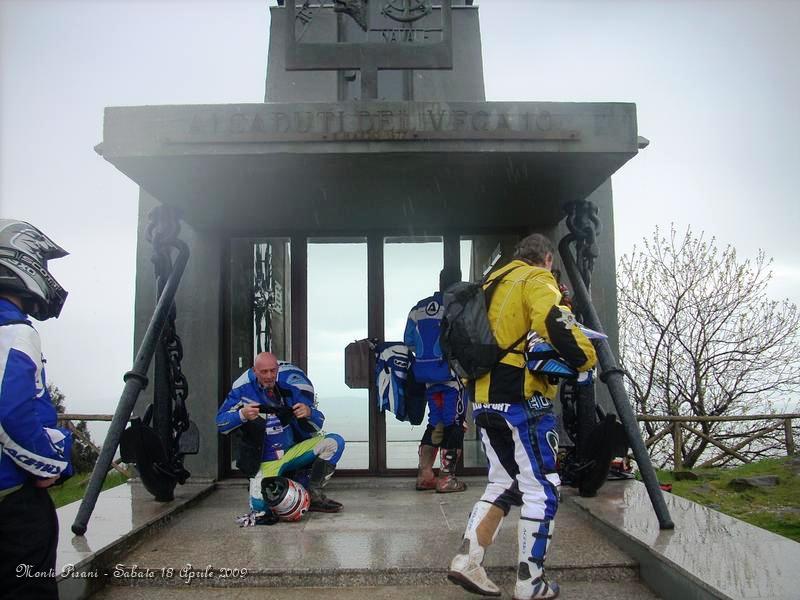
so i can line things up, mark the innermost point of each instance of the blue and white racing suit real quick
(31, 444)
(289, 444)
(443, 391)
(31, 449)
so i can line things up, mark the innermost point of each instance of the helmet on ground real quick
(24, 252)
(288, 499)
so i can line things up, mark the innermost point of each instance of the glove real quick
(284, 413)
(586, 378)
(62, 440)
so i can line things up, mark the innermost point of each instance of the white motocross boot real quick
(466, 569)
(534, 539)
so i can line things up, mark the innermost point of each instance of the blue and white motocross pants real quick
(521, 443)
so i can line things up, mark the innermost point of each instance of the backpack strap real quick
(489, 291)
(510, 349)
(490, 288)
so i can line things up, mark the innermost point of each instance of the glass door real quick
(342, 290)
(337, 315)
(259, 312)
(411, 273)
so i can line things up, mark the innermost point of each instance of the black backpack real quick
(466, 338)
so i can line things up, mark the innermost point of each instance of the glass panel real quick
(260, 315)
(478, 253)
(337, 315)
(411, 273)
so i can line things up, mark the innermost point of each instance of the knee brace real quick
(330, 448)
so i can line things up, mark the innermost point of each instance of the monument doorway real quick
(306, 298)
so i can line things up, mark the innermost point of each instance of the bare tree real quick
(699, 336)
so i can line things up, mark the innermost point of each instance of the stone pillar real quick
(199, 326)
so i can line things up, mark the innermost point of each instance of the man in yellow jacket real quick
(513, 411)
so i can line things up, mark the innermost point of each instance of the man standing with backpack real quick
(513, 411)
(443, 391)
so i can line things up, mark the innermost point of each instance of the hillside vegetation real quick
(774, 508)
(75, 487)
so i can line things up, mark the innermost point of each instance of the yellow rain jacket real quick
(527, 299)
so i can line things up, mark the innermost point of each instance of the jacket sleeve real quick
(410, 334)
(556, 324)
(228, 417)
(295, 386)
(314, 421)
(23, 436)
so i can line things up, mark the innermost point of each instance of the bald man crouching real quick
(274, 404)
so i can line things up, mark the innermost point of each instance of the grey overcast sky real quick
(716, 83)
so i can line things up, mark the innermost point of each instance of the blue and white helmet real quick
(542, 358)
(24, 252)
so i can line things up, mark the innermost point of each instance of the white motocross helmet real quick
(24, 252)
(288, 499)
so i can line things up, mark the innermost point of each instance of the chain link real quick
(162, 232)
(584, 223)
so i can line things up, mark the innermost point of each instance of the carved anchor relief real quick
(408, 11)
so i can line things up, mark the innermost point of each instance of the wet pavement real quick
(387, 534)
(394, 542)
(708, 554)
(121, 516)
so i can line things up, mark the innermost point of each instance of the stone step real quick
(209, 576)
(574, 590)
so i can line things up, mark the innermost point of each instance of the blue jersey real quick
(30, 444)
(291, 387)
(422, 336)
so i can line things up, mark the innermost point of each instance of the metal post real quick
(135, 382)
(375, 330)
(299, 283)
(612, 376)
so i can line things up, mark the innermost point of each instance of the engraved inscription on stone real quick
(407, 35)
(412, 122)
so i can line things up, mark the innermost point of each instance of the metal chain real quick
(162, 232)
(583, 222)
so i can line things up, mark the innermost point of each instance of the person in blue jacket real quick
(443, 391)
(34, 454)
(274, 405)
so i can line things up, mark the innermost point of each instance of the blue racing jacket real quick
(30, 444)
(422, 336)
(291, 387)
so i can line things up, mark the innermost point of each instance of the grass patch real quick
(776, 509)
(75, 487)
